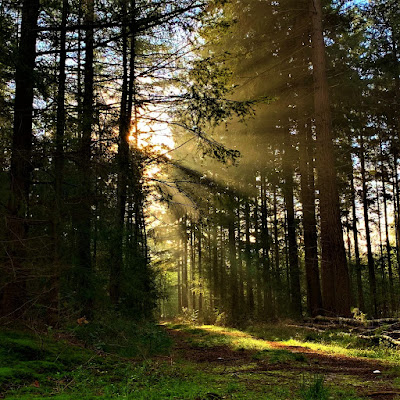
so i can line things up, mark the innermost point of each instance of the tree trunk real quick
(185, 287)
(360, 291)
(215, 268)
(14, 294)
(314, 298)
(179, 268)
(396, 203)
(234, 288)
(268, 310)
(288, 193)
(83, 218)
(223, 278)
(59, 169)
(200, 269)
(241, 301)
(371, 264)
(383, 307)
(259, 281)
(116, 250)
(335, 277)
(388, 246)
(249, 266)
(192, 303)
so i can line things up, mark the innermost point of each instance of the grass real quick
(124, 337)
(330, 342)
(40, 367)
(314, 391)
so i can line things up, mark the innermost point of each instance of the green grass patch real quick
(332, 342)
(27, 358)
(124, 337)
(37, 367)
(279, 356)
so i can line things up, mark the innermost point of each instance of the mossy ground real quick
(203, 363)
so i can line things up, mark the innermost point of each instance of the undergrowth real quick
(124, 337)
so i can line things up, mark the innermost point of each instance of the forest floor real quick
(275, 370)
(269, 362)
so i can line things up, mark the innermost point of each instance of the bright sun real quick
(153, 136)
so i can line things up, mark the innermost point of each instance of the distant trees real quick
(321, 181)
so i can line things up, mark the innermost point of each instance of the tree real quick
(14, 296)
(335, 278)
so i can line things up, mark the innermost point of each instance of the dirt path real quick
(335, 368)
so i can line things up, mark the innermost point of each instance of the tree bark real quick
(360, 291)
(248, 258)
(371, 263)
(185, 287)
(265, 263)
(234, 288)
(335, 277)
(116, 250)
(14, 295)
(59, 169)
(288, 193)
(388, 245)
(200, 269)
(83, 218)
(314, 297)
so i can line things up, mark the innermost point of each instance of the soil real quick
(335, 368)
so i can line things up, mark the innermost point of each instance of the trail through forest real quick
(181, 361)
(283, 365)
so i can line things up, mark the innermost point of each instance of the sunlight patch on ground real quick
(332, 344)
(389, 355)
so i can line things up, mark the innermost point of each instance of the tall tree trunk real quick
(84, 273)
(276, 244)
(396, 204)
(185, 286)
(335, 277)
(215, 268)
(360, 291)
(59, 168)
(234, 288)
(241, 302)
(200, 269)
(259, 280)
(208, 256)
(192, 303)
(268, 310)
(288, 193)
(314, 298)
(116, 250)
(383, 307)
(179, 268)
(248, 258)
(14, 294)
(388, 246)
(223, 279)
(371, 263)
